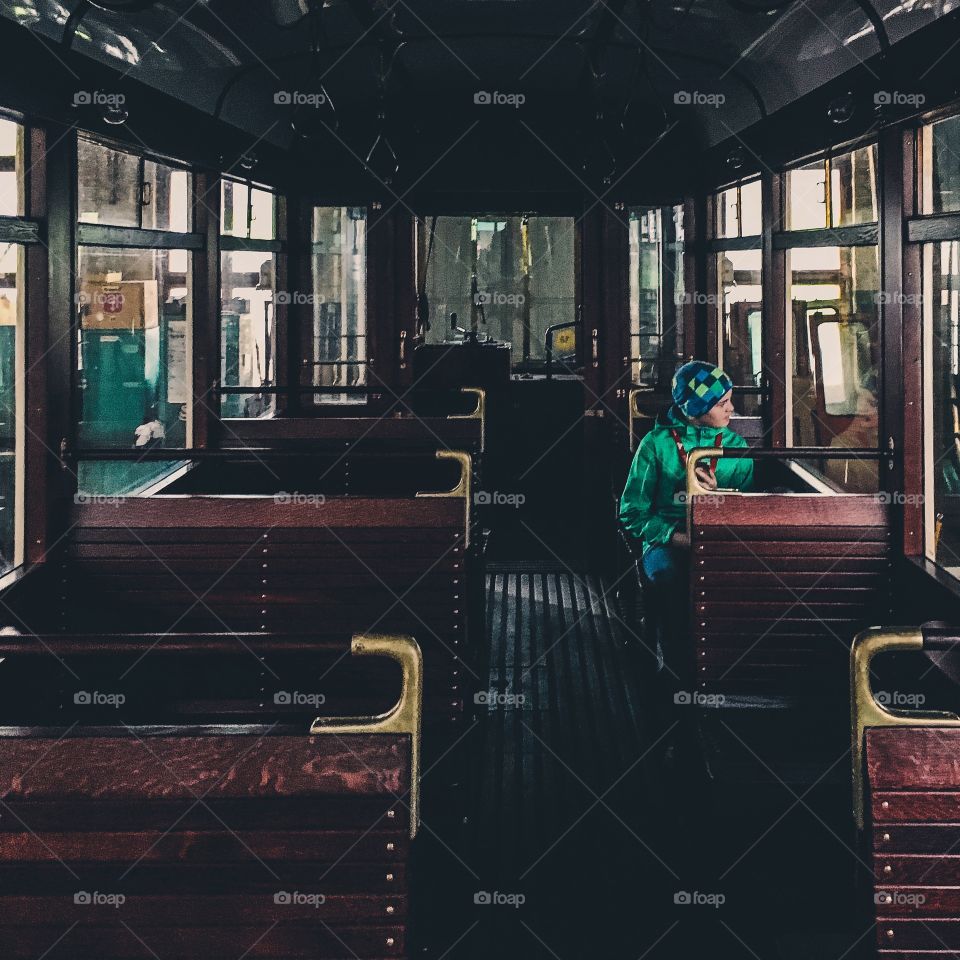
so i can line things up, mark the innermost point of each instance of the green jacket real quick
(649, 507)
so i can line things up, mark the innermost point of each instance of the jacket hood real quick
(671, 418)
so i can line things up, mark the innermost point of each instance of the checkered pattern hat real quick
(697, 386)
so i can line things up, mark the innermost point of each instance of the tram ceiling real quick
(484, 85)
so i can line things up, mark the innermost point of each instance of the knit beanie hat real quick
(698, 386)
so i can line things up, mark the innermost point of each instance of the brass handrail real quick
(634, 413)
(405, 717)
(479, 413)
(463, 488)
(866, 712)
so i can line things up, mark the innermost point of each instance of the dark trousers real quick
(667, 570)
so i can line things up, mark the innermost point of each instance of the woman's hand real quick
(707, 478)
(680, 539)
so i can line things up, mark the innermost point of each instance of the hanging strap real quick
(718, 442)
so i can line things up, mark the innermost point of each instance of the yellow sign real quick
(565, 341)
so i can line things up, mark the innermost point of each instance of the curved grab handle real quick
(865, 711)
(479, 413)
(634, 413)
(404, 717)
(462, 489)
(694, 488)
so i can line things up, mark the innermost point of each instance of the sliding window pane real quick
(234, 208)
(940, 173)
(941, 302)
(263, 214)
(11, 282)
(339, 342)
(248, 334)
(11, 169)
(739, 277)
(108, 185)
(806, 203)
(132, 347)
(727, 214)
(750, 222)
(834, 292)
(166, 197)
(657, 294)
(853, 187)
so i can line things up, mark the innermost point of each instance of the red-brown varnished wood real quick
(269, 512)
(920, 758)
(215, 767)
(842, 510)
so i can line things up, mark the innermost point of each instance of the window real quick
(122, 189)
(941, 306)
(740, 312)
(939, 170)
(737, 211)
(11, 169)
(834, 294)
(838, 191)
(134, 312)
(132, 347)
(509, 276)
(12, 267)
(656, 293)
(11, 325)
(338, 354)
(248, 270)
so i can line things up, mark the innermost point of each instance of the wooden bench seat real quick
(780, 584)
(906, 774)
(318, 569)
(265, 839)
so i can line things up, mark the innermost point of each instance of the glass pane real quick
(166, 197)
(750, 220)
(508, 276)
(11, 169)
(834, 293)
(941, 300)
(739, 279)
(806, 206)
(339, 345)
(853, 187)
(940, 187)
(234, 212)
(727, 214)
(11, 282)
(133, 371)
(248, 334)
(657, 295)
(108, 185)
(263, 212)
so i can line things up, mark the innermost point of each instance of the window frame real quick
(286, 396)
(135, 238)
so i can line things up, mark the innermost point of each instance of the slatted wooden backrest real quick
(323, 568)
(219, 841)
(906, 774)
(780, 583)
